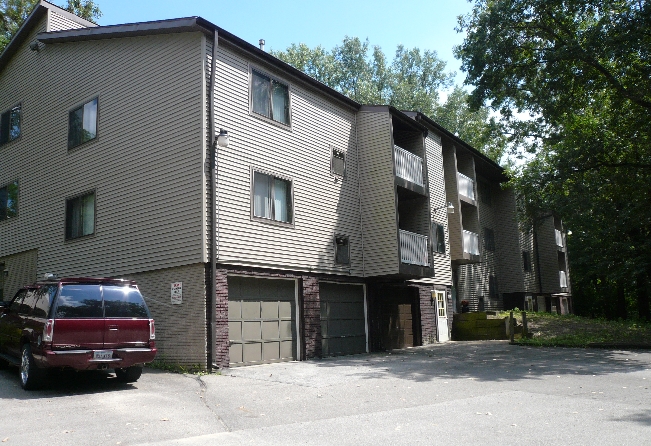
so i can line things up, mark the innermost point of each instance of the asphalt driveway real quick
(456, 393)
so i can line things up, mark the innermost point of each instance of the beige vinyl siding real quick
(434, 156)
(510, 276)
(455, 223)
(145, 166)
(381, 249)
(59, 22)
(21, 271)
(548, 256)
(323, 205)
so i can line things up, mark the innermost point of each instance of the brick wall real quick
(311, 317)
(427, 314)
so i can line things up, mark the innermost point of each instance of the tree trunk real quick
(621, 301)
(643, 297)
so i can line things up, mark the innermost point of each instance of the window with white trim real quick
(82, 124)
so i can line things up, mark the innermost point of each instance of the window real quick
(9, 200)
(489, 240)
(492, 287)
(272, 198)
(79, 301)
(439, 238)
(342, 250)
(10, 125)
(526, 261)
(440, 303)
(80, 216)
(269, 98)
(338, 163)
(82, 124)
(485, 193)
(123, 302)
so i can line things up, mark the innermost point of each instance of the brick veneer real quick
(427, 314)
(311, 317)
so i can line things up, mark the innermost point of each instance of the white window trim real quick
(333, 149)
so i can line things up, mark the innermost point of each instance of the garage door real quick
(343, 323)
(261, 320)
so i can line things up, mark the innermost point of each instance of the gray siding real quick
(434, 158)
(510, 276)
(323, 204)
(381, 250)
(21, 269)
(455, 223)
(145, 166)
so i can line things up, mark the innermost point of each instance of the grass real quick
(161, 363)
(552, 330)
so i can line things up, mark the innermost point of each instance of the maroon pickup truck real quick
(78, 323)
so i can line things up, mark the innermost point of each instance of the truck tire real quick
(128, 375)
(31, 377)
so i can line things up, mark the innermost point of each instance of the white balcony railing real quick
(563, 278)
(559, 238)
(466, 186)
(413, 248)
(408, 165)
(471, 243)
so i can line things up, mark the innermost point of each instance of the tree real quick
(411, 81)
(14, 12)
(580, 72)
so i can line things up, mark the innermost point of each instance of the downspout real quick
(213, 188)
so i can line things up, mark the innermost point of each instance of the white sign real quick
(177, 293)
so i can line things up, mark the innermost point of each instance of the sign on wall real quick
(177, 293)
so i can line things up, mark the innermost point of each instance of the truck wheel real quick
(31, 377)
(128, 375)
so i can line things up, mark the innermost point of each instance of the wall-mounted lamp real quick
(34, 46)
(6, 272)
(222, 138)
(449, 207)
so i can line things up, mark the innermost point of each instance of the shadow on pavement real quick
(488, 361)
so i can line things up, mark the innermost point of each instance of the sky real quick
(425, 24)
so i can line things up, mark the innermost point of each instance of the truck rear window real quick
(122, 301)
(97, 301)
(79, 301)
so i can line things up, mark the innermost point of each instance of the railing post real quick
(511, 327)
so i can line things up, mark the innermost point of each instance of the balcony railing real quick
(471, 243)
(559, 238)
(466, 186)
(563, 279)
(413, 248)
(408, 165)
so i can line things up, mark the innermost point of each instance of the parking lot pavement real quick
(456, 393)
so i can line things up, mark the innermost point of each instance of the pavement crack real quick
(203, 387)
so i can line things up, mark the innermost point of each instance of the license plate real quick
(103, 354)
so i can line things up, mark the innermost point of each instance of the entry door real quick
(442, 316)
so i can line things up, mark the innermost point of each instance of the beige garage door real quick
(261, 320)
(343, 323)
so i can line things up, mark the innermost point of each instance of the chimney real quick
(261, 42)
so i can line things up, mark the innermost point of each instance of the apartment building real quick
(312, 226)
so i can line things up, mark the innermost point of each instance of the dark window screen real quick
(124, 302)
(79, 301)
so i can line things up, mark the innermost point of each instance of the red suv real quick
(78, 323)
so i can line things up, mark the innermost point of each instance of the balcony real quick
(408, 166)
(563, 278)
(466, 186)
(559, 238)
(470, 243)
(413, 248)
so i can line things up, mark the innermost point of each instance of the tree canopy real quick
(14, 12)
(579, 71)
(413, 80)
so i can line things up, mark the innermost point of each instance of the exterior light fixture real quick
(6, 272)
(449, 207)
(222, 138)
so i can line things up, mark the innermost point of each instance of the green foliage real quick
(411, 81)
(14, 12)
(162, 363)
(572, 81)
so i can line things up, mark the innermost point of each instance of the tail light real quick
(48, 330)
(152, 330)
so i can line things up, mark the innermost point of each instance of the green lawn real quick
(554, 330)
